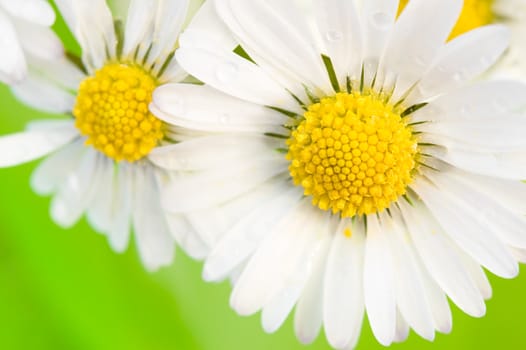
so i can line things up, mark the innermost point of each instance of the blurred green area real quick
(65, 289)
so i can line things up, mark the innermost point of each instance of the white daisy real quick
(98, 161)
(476, 13)
(25, 30)
(356, 167)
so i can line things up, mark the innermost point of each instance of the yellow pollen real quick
(353, 153)
(475, 13)
(347, 233)
(112, 111)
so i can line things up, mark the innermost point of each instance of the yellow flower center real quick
(353, 153)
(112, 111)
(475, 13)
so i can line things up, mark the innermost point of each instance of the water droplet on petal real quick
(499, 105)
(224, 119)
(177, 106)
(420, 60)
(334, 35)
(227, 72)
(381, 20)
(183, 162)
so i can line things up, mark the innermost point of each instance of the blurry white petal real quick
(30, 145)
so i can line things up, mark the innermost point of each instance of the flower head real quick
(356, 166)
(98, 160)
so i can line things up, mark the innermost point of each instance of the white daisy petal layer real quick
(155, 244)
(12, 61)
(30, 145)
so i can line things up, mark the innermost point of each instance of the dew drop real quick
(420, 60)
(334, 35)
(224, 119)
(465, 109)
(499, 105)
(458, 76)
(380, 20)
(183, 162)
(177, 105)
(485, 61)
(227, 72)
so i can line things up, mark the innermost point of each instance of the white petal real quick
(42, 94)
(12, 62)
(402, 328)
(212, 225)
(99, 211)
(121, 210)
(59, 72)
(339, 26)
(34, 11)
(173, 73)
(519, 254)
(463, 59)
(506, 224)
(504, 134)
(156, 245)
(186, 237)
(441, 261)
(206, 30)
(378, 280)
(244, 237)
(266, 27)
(204, 108)
(462, 224)
(378, 18)
(478, 275)
(39, 41)
(437, 301)
(273, 262)
(221, 185)
(169, 20)
(298, 271)
(308, 317)
(53, 170)
(509, 193)
(474, 103)
(410, 292)
(236, 76)
(30, 145)
(139, 25)
(77, 191)
(197, 154)
(92, 24)
(409, 56)
(343, 300)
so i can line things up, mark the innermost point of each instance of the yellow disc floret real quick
(475, 13)
(112, 111)
(353, 153)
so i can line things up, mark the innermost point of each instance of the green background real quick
(65, 289)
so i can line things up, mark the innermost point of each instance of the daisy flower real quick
(25, 31)
(98, 159)
(477, 13)
(356, 167)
